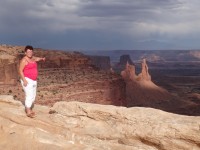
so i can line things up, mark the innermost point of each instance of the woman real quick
(28, 73)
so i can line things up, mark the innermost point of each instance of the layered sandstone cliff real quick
(11, 55)
(68, 76)
(8, 65)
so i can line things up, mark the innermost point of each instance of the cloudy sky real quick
(101, 24)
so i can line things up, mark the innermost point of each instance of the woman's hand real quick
(25, 83)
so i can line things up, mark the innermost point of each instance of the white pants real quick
(30, 92)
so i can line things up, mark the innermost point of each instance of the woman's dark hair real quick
(28, 47)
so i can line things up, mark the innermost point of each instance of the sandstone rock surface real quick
(141, 91)
(8, 65)
(77, 125)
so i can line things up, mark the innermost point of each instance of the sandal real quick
(30, 115)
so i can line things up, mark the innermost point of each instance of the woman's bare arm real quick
(39, 58)
(21, 68)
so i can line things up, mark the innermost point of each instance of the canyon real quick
(89, 102)
(74, 76)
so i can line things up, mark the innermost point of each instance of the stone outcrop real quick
(129, 72)
(195, 54)
(76, 125)
(124, 60)
(144, 75)
(8, 69)
(140, 90)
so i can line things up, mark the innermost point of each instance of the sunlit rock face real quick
(8, 73)
(86, 126)
(195, 54)
(8, 65)
(144, 75)
(140, 90)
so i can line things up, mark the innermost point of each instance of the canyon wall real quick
(63, 76)
(8, 69)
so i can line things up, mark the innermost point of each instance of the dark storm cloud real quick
(101, 23)
(127, 7)
(16, 16)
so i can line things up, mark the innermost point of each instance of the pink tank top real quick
(30, 70)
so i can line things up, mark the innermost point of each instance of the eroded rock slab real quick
(85, 126)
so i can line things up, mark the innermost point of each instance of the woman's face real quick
(29, 53)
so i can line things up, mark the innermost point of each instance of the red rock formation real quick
(124, 60)
(144, 75)
(129, 72)
(140, 90)
(8, 71)
(195, 54)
